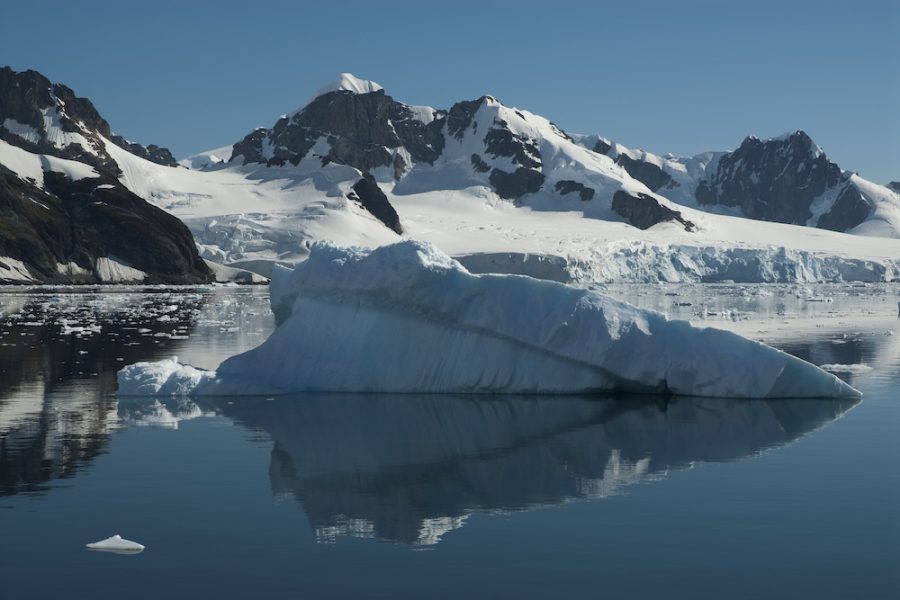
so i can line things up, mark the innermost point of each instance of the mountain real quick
(787, 179)
(475, 143)
(497, 187)
(48, 118)
(64, 214)
(503, 189)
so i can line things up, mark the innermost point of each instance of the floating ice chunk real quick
(161, 378)
(856, 369)
(118, 544)
(408, 318)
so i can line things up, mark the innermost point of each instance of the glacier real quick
(406, 317)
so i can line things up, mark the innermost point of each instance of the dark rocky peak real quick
(462, 115)
(364, 130)
(772, 180)
(48, 118)
(367, 193)
(894, 186)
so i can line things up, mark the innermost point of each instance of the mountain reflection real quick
(411, 468)
(59, 354)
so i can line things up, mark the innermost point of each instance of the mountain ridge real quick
(504, 189)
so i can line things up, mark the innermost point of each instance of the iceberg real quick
(116, 544)
(408, 318)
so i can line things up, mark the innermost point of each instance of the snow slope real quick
(360, 320)
(508, 192)
(33, 166)
(254, 216)
(774, 178)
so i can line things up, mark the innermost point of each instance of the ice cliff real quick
(408, 318)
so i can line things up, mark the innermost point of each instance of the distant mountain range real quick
(498, 187)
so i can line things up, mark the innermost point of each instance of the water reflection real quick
(399, 468)
(51, 344)
(412, 468)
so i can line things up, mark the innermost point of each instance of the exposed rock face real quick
(371, 130)
(787, 179)
(894, 186)
(567, 186)
(850, 207)
(460, 117)
(479, 165)
(601, 146)
(48, 118)
(645, 211)
(362, 130)
(500, 141)
(152, 152)
(369, 195)
(62, 231)
(646, 172)
(513, 186)
(776, 180)
(521, 151)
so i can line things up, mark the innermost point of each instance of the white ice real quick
(117, 543)
(408, 318)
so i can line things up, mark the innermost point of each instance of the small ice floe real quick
(856, 369)
(117, 544)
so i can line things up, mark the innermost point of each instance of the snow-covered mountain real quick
(64, 215)
(517, 155)
(503, 189)
(43, 117)
(787, 179)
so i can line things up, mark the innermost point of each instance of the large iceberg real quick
(408, 318)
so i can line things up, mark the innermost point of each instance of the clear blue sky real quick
(672, 76)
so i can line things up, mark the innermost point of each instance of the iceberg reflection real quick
(411, 468)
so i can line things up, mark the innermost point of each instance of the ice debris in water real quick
(855, 369)
(117, 543)
(408, 318)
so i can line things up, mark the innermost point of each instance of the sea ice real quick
(117, 543)
(408, 318)
(856, 369)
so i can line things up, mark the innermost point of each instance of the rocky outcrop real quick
(364, 131)
(644, 211)
(152, 152)
(48, 118)
(479, 165)
(84, 230)
(775, 180)
(567, 186)
(647, 173)
(461, 116)
(849, 210)
(601, 146)
(512, 186)
(369, 195)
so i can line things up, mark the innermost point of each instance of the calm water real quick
(418, 496)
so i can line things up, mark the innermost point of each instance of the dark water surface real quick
(441, 496)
